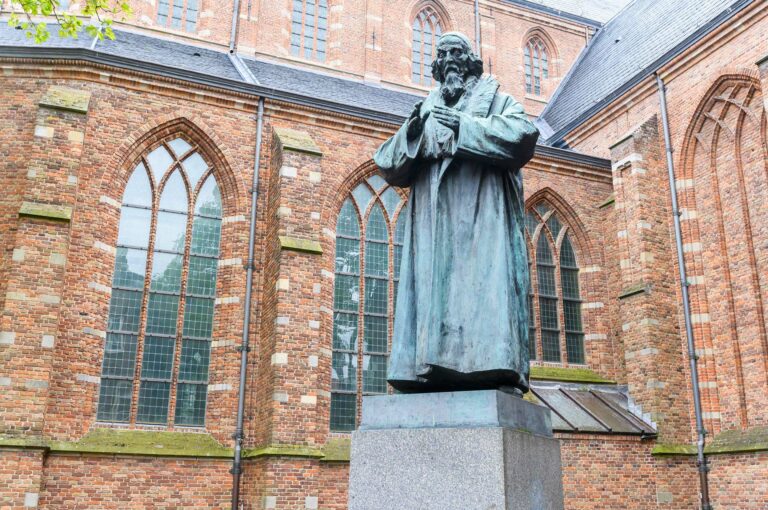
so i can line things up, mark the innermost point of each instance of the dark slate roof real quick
(589, 12)
(169, 53)
(332, 88)
(215, 68)
(593, 408)
(631, 46)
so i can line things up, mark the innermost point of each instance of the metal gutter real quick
(244, 346)
(692, 356)
(233, 30)
(478, 46)
(96, 57)
(558, 138)
(255, 89)
(556, 12)
(243, 69)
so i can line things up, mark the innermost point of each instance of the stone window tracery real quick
(556, 331)
(160, 323)
(427, 29)
(178, 13)
(309, 28)
(369, 243)
(536, 60)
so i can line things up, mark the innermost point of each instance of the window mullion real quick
(145, 298)
(181, 310)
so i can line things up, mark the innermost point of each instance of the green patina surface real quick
(608, 201)
(637, 288)
(298, 141)
(731, 441)
(302, 245)
(130, 442)
(583, 375)
(49, 211)
(63, 98)
(284, 450)
(337, 449)
(23, 442)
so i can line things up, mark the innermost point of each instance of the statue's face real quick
(453, 57)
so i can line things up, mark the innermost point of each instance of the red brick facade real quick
(63, 172)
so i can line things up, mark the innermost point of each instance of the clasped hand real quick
(446, 116)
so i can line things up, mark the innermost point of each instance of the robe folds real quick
(461, 318)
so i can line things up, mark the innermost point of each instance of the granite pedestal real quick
(473, 450)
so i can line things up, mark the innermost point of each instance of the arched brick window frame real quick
(428, 22)
(201, 167)
(539, 61)
(722, 166)
(556, 261)
(368, 239)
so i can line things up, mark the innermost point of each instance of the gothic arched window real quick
(426, 31)
(160, 323)
(309, 27)
(536, 61)
(369, 244)
(554, 290)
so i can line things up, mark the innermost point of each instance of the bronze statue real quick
(461, 320)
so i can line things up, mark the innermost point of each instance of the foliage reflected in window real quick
(309, 28)
(157, 354)
(536, 60)
(369, 243)
(426, 31)
(178, 13)
(550, 298)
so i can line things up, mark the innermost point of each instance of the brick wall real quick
(372, 40)
(114, 482)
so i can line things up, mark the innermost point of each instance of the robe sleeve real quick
(504, 139)
(396, 158)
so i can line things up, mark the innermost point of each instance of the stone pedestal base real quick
(479, 450)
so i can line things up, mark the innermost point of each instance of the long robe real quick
(461, 319)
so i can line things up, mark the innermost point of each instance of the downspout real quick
(478, 48)
(235, 23)
(693, 358)
(244, 347)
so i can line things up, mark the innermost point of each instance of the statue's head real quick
(455, 64)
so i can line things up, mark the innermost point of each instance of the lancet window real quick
(178, 13)
(556, 331)
(369, 244)
(309, 29)
(160, 324)
(426, 31)
(536, 60)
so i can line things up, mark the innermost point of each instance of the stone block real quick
(454, 451)
(465, 409)
(298, 141)
(64, 98)
(49, 211)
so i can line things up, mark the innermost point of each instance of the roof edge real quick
(558, 137)
(96, 57)
(556, 12)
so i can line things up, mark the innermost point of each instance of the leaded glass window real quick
(556, 330)
(369, 240)
(309, 29)
(536, 60)
(427, 29)
(178, 13)
(160, 326)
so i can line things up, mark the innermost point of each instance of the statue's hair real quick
(475, 66)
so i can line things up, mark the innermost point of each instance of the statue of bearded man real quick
(461, 320)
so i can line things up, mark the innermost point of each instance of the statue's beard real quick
(453, 86)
